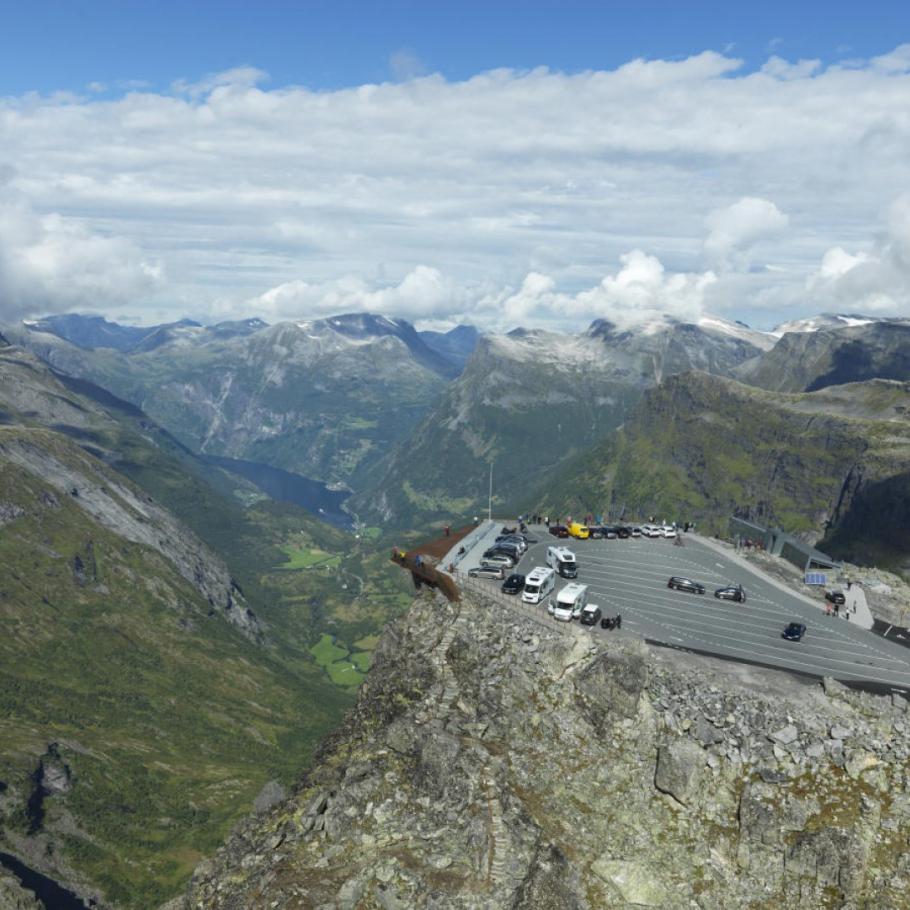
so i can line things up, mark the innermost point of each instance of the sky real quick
(538, 164)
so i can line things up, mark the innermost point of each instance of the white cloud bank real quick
(640, 291)
(438, 198)
(50, 263)
(873, 281)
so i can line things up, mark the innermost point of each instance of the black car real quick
(558, 530)
(836, 597)
(623, 532)
(517, 539)
(590, 615)
(685, 584)
(733, 592)
(794, 632)
(514, 584)
(504, 549)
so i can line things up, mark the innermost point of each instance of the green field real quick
(304, 557)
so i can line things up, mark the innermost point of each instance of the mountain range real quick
(412, 421)
(176, 640)
(324, 398)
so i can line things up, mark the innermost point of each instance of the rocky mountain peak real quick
(495, 759)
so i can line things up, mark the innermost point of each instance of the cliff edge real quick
(498, 760)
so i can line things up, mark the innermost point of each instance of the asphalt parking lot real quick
(630, 576)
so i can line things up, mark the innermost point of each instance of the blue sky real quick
(500, 163)
(68, 44)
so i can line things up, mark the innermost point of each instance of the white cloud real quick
(423, 294)
(639, 292)
(51, 263)
(875, 280)
(405, 64)
(783, 69)
(734, 230)
(456, 190)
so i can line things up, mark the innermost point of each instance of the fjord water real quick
(288, 487)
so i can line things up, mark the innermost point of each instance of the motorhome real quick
(539, 583)
(569, 603)
(562, 561)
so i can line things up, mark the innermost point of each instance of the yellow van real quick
(578, 530)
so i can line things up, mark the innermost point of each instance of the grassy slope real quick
(705, 448)
(440, 473)
(175, 720)
(183, 719)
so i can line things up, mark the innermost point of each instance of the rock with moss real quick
(474, 773)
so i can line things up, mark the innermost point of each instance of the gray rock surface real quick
(679, 768)
(474, 774)
(13, 896)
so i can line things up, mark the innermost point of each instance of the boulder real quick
(610, 687)
(636, 882)
(271, 794)
(679, 769)
(785, 735)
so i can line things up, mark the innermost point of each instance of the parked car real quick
(504, 549)
(590, 615)
(483, 571)
(651, 531)
(511, 540)
(624, 532)
(558, 530)
(794, 631)
(679, 583)
(668, 531)
(732, 592)
(836, 597)
(514, 584)
(636, 531)
(497, 559)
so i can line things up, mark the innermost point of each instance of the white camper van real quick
(538, 584)
(569, 603)
(562, 561)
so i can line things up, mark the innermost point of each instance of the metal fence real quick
(467, 542)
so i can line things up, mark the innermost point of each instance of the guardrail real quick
(452, 558)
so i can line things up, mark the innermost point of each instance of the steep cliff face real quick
(498, 760)
(820, 464)
(805, 361)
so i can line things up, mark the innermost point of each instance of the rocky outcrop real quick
(13, 896)
(118, 505)
(494, 760)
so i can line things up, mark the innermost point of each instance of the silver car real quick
(497, 572)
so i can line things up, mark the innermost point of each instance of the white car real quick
(668, 531)
(560, 611)
(651, 531)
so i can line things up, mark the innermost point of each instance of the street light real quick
(490, 501)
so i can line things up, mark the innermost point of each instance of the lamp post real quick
(490, 500)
